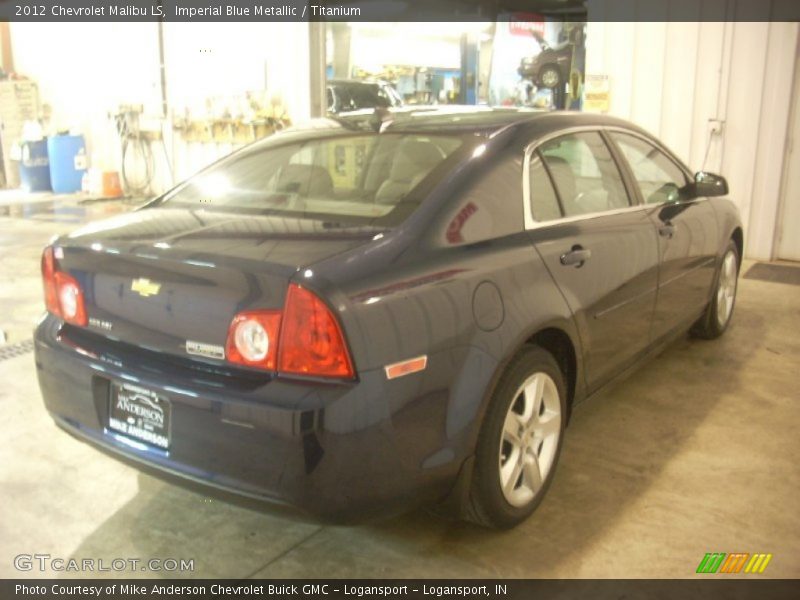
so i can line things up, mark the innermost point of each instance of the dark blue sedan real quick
(380, 311)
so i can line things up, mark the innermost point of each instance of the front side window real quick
(362, 178)
(584, 173)
(658, 177)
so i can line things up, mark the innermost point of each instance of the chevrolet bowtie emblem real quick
(144, 287)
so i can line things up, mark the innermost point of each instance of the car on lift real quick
(551, 66)
(358, 317)
(348, 95)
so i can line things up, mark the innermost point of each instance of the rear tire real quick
(520, 441)
(718, 314)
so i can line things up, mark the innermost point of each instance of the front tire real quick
(520, 441)
(718, 315)
(550, 77)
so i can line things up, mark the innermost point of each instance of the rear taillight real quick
(49, 280)
(309, 339)
(70, 298)
(63, 295)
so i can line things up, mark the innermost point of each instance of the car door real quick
(599, 247)
(687, 232)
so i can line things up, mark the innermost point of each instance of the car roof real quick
(484, 121)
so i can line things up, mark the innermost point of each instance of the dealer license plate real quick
(140, 414)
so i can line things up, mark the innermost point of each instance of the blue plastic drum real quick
(67, 162)
(34, 168)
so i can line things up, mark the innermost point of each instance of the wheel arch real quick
(551, 64)
(558, 337)
(558, 343)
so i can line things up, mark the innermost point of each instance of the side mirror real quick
(707, 184)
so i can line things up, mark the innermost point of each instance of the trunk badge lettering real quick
(100, 323)
(144, 287)
(208, 350)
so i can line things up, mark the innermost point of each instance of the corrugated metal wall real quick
(672, 77)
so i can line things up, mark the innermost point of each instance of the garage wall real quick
(672, 77)
(205, 60)
(87, 70)
(404, 44)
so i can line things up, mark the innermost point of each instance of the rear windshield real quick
(361, 178)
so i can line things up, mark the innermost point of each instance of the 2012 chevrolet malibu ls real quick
(371, 313)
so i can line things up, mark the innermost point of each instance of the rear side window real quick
(544, 202)
(584, 173)
(658, 177)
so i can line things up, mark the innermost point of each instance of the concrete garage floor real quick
(697, 452)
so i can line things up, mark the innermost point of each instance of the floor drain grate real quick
(14, 350)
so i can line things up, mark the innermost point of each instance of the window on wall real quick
(584, 173)
(658, 177)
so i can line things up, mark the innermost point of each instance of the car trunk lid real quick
(172, 280)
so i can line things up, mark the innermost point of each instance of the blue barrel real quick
(67, 155)
(34, 168)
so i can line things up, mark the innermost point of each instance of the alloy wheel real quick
(530, 439)
(550, 78)
(726, 288)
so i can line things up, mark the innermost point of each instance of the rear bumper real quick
(339, 452)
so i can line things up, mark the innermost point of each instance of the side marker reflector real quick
(406, 367)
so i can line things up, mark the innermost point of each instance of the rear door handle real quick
(576, 257)
(666, 230)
